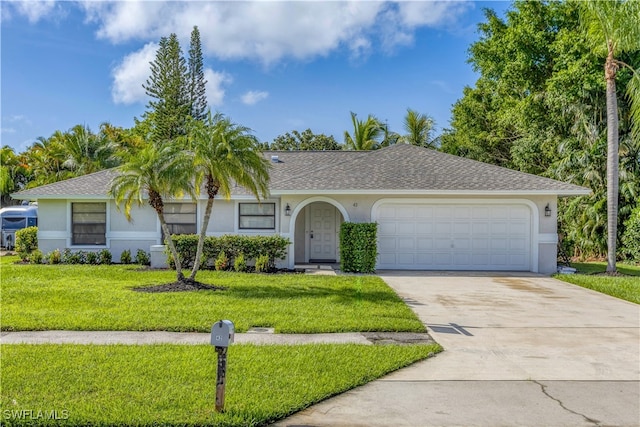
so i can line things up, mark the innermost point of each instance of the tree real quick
(612, 28)
(195, 80)
(419, 128)
(159, 172)
(13, 174)
(167, 86)
(306, 140)
(225, 154)
(537, 75)
(366, 134)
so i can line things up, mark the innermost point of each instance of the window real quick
(88, 223)
(258, 216)
(180, 218)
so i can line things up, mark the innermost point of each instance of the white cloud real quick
(131, 73)
(7, 130)
(272, 31)
(33, 10)
(430, 13)
(214, 87)
(254, 96)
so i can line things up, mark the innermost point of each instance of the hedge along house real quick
(434, 211)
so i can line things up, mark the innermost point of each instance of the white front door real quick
(322, 232)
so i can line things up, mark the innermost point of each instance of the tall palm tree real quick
(225, 154)
(611, 28)
(366, 133)
(419, 128)
(160, 171)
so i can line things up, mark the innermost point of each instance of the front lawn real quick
(175, 384)
(626, 286)
(83, 297)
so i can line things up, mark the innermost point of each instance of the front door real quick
(322, 232)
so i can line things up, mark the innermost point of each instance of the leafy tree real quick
(159, 171)
(539, 107)
(419, 128)
(13, 174)
(306, 140)
(612, 28)
(195, 80)
(167, 86)
(367, 134)
(225, 154)
(86, 152)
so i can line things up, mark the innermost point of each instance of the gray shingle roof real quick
(398, 168)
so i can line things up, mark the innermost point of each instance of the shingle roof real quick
(399, 168)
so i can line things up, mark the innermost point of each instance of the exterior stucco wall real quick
(359, 209)
(52, 215)
(143, 219)
(144, 231)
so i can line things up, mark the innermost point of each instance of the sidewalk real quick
(162, 337)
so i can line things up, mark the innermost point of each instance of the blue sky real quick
(272, 66)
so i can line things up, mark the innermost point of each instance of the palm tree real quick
(225, 154)
(366, 133)
(419, 129)
(160, 171)
(611, 28)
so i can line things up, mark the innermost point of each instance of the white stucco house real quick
(434, 211)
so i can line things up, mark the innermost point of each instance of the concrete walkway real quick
(263, 337)
(520, 350)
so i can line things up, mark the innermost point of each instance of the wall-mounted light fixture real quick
(547, 210)
(287, 210)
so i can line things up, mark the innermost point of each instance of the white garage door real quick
(454, 236)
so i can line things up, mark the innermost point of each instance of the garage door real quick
(454, 236)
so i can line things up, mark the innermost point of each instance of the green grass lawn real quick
(83, 297)
(625, 287)
(175, 384)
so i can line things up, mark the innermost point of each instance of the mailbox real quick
(222, 333)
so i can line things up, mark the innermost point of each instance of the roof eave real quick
(559, 193)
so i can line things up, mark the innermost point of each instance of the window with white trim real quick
(257, 216)
(89, 224)
(180, 218)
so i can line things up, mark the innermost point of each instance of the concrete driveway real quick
(520, 350)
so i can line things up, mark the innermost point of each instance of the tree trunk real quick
(610, 71)
(172, 248)
(213, 186)
(203, 232)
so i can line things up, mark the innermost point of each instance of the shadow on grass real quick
(340, 295)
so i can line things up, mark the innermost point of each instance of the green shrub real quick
(358, 247)
(142, 257)
(631, 236)
(70, 257)
(262, 264)
(222, 262)
(104, 257)
(54, 257)
(239, 264)
(92, 258)
(275, 247)
(26, 242)
(125, 257)
(36, 257)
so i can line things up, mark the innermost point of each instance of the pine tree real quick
(196, 81)
(168, 89)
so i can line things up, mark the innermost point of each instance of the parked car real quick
(14, 218)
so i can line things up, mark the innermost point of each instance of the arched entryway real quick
(316, 228)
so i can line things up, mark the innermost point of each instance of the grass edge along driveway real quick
(625, 286)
